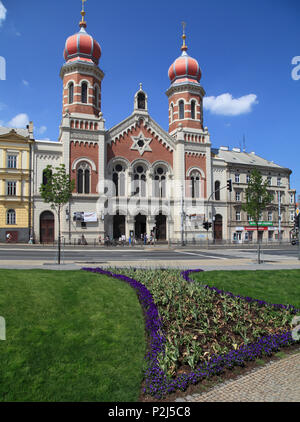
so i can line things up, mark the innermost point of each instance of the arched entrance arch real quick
(47, 227)
(139, 225)
(161, 226)
(118, 225)
(218, 228)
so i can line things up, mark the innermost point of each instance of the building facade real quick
(16, 150)
(135, 177)
(277, 220)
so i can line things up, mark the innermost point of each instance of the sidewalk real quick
(277, 381)
(205, 264)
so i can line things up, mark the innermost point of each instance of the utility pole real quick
(279, 217)
(182, 217)
(299, 238)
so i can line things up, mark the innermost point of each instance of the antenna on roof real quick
(244, 143)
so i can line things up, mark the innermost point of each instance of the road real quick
(9, 253)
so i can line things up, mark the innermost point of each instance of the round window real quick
(139, 169)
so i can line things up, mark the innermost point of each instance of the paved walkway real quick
(277, 381)
(205, 264)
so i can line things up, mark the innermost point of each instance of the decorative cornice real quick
(81, 136)
(48, 156)
(195, 154)
(82, 68)
(191, 88)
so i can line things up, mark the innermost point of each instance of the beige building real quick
(15, 184)
(278, 216)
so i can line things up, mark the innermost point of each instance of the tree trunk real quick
(58, 255)
(258, 246)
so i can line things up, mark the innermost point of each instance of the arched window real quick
(172, 113)
(141, 100)
(160, 182)
(96, 97)
(195, 184)
(193, 109)
(84, 90)
(119, 179)
(45, 178)
(71, 93)
(11, 217)
(87, 181)
(217, 190)
(83, 178)
(181, 109)
(139, 180)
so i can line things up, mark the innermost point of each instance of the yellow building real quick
(15, 184)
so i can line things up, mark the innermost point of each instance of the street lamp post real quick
(182, 217)
(279, 217)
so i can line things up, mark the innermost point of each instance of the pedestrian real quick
(8, 237)
(145, 238)
(123, 239)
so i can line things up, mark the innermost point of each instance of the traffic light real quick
(296, 220)
(229, 185)
(206, 225)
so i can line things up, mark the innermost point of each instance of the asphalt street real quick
(93, 255)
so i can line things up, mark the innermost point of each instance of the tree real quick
(56, 190)
(257, 199)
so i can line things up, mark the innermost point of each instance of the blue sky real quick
(244, 48)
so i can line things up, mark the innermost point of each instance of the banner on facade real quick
(197, 218)
(90, 217)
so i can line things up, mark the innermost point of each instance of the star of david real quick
(141, 144)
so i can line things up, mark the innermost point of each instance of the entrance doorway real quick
(218, 228)
(161, 224)
(139, 225)
(119, 225)
(47, 227)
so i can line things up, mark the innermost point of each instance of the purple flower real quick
(156, 381)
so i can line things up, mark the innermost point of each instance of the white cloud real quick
(19, 121)
(42, 130)
(2, 13)
(226, 105)
(26, 83)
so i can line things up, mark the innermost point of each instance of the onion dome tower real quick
(185, 92)
(80, 73)
(82, 128)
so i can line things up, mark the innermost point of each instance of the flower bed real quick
(196, 332)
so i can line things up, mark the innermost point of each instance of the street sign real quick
(297, 211)
(253, 228)
(261, 223)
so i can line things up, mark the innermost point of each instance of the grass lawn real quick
(273, 286)
(70, 336)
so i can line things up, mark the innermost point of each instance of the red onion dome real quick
(185, 68)
(83, 47)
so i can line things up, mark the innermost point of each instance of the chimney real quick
(30, 129)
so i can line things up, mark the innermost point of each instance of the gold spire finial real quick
(82, 22)
(184, 47)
